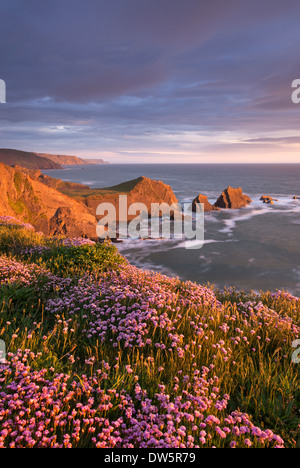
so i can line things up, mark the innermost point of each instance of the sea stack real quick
(202, 199)
(233, 198)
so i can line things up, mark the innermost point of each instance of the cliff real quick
(56, 207)
(65, 160)
(62, 160)
(141, 190)
(47, 209)
(26, 159)
(57, 184)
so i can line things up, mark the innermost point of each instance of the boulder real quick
(65, 222)
(233, 198)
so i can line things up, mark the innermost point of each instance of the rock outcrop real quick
(47, 209)
(66, 222)
(56, 207)
(202, 199)
(57, 184)
(233, 198)
(142, 190)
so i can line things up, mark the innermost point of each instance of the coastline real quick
(266, 251)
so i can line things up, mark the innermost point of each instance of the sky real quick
(152, 81)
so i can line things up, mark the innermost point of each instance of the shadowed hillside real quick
(26, 159)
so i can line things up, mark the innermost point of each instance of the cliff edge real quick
(47, 209)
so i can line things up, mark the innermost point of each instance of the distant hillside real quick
(63, 159)
(29, 160)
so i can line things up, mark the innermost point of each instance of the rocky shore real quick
(55, 207)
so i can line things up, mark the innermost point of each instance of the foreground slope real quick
(107, 355)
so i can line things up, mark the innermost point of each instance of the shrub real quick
(76, 261)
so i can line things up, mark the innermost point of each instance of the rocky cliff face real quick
(56, 207)
(57, 184)
(47, 209)
(141, 190)
(62, 160)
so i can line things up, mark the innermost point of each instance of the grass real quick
(83, 312)
(49, 253)
(123, 188)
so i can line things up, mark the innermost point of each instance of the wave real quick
(230, 223)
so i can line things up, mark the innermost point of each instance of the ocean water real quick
(254, 248)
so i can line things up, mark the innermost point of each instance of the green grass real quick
(13, 239)
(263, 383)
(122, 188)
(59, 259)
(77, 261)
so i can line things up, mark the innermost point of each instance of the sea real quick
(256, 248)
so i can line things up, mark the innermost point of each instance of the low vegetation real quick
(102, 354)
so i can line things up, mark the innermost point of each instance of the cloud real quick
(286, 140)
(103, 69)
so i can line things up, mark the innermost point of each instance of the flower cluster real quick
(34, 250)
(76, 242)
(12, 271)
(280, 294)
(134, 359)
(11, 221)
(56, 411)
(129, 305)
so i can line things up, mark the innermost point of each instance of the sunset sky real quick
(162, 81)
